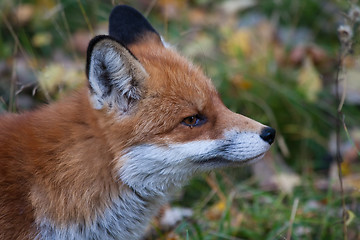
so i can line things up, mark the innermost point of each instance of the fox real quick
(100, 163)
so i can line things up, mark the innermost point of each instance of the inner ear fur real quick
(115, 76)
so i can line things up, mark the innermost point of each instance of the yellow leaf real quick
(345, 168)
(350, 217)
(239, 43)
(309, 80)
(56, 76)
(215, 212)
(50, 77)
(241, 83)
(41, 39)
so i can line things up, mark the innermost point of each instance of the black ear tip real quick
(123, 14)
(126, 24)
(121, 10)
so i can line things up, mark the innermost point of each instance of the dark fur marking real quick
(127, 25)
(105, 80)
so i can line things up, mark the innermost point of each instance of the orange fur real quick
(50, 148)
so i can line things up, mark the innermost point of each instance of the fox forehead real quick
(174, 79)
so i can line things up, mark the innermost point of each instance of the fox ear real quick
(115, 76)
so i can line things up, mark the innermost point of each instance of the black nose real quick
(268, 134)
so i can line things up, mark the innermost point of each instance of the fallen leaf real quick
(239, 43)
(318, 55)
(55, 77)
(350, 217)
(42, 39)
(241, 83)
(272, 173)
(23, 14)
(286, 182)
(351, 182)
(172, 236)
(215, 212)
(174, 215)
(297, 55)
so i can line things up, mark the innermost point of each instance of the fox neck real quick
(85, 197)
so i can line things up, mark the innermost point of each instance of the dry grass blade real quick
(86, 18)
(292, 217)
(18, 44)
(338, 142)
(211, 180)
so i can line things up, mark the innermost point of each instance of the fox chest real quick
(127, 218)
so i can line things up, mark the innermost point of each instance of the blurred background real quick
(275, 61)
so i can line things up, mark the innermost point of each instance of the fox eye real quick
(194, 121)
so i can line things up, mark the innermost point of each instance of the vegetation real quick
(275, 61)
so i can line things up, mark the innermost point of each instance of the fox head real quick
(161, 116)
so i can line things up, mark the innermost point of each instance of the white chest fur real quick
(127, 218)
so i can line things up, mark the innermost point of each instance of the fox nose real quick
(268, 134)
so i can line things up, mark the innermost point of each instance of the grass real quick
(251, 213)
(255, 75)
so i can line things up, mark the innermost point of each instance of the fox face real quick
(170, 118)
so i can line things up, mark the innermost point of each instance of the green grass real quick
(266, 215)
